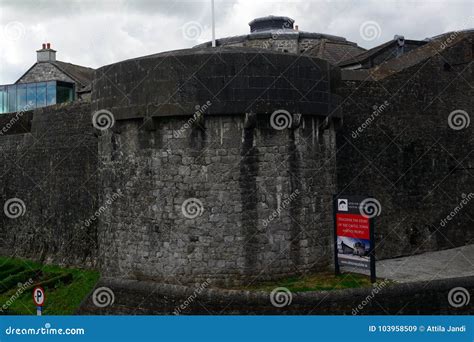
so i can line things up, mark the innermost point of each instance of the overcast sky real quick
(96, 33)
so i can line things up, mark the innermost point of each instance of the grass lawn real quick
(65, 288)
(316, 282)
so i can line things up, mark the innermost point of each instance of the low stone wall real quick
(147, 298)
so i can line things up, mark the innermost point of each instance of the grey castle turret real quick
(271, 23)
(223, 193)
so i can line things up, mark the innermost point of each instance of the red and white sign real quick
(38, 296)
(353, 225)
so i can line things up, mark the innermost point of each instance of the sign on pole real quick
(39, 298)
(354, 226)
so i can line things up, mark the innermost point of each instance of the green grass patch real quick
(315, 282)
(65, 287)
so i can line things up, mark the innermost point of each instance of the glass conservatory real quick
(28, 96)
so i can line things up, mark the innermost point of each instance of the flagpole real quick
(213, 25)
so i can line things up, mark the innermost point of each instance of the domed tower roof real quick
(270, 23)
(280, 33)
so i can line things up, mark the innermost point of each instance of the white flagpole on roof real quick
(213, 25)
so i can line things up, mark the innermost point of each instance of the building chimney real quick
(296, 28)
(399, 49)
(46, 54)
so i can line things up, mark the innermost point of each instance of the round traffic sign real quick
(39, 296)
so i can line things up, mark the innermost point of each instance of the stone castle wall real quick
(262, 195)
(48, 160)
(261, 198)
(408, 157)
(278, 42)
(115, 198)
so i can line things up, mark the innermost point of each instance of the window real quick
(3, 99)
(40, 95)
(31, 95)
(64, 92)
(28, 96)
(50, 93)
(11, 98)
(21, 97)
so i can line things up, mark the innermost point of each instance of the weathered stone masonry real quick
(233, 161)
(408, 157)
(115, 198)
(48, 160)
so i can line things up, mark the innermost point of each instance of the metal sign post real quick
(39, 298)
(354, 238)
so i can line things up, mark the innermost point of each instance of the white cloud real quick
(96, 33)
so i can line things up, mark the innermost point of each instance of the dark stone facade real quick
(407, 156)
(117, 198)
(235, 80)
(48, 160)
(239, 168)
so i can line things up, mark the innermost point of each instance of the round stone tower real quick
(218, 164)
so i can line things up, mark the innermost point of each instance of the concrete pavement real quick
(451, 263)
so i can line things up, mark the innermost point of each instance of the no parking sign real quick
(39, 298)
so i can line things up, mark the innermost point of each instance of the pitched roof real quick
(80, 74)
(411, 58)
(335, 51)
(365, 56)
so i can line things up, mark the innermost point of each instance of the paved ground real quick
(451, 263)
